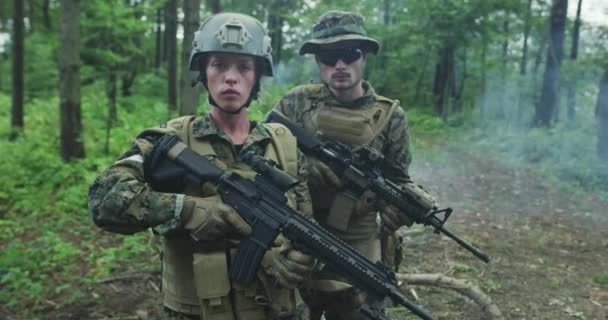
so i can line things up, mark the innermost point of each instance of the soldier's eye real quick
(245, 66)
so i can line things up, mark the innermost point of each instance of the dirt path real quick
(547, 246)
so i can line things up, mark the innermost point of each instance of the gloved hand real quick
(323, 174)
(368, 202)
(210, 219)
(393, 219)
(291, 267)
(422, 204)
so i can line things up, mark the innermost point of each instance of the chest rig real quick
(195, 278)
(355, 126)
(335, 209)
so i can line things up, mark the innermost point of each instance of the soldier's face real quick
(230, 78)
(341, 69)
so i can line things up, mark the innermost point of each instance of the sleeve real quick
(397, 148)
(301, 190)
(288, 105)
(121, 201)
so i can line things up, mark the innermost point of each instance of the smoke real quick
(502, 127)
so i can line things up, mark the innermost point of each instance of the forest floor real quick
(549, 248)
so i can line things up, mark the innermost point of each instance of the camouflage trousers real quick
(301, 314)
(174, 315)
(337, 305)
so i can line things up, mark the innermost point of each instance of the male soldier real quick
(346, 108)
(200, 232)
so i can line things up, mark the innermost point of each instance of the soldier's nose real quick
(340, 64)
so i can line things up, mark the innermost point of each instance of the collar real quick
(203, 127)
(369, 96)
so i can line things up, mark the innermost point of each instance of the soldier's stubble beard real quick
(345, 91)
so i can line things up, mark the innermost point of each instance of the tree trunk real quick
(602, 118)
(111, 96)
(18, 81)
(137, 62)
(46, 14)
(522, 102)
(128, 78)
(72, 145)
(421, 77)
(159, 37)
(275, 32)
(539, 54)
(500, 112)
(171, 44)
(214, 5)
(1, 63)
(524, 52)
(549, 101)
(387, 12)
(573, 56)
(505, 46)
(441, 88)
(112, 115)
(457, 106)
(190, 94)
(484, 79)
(31, 15)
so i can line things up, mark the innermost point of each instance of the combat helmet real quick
(232, 33)
(335, 28)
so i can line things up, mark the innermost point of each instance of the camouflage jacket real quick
(304, 104)
(121, 201)
(300, 105)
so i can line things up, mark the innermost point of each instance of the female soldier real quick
(198, 231)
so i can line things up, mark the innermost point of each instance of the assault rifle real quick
(262, 204)
(361, 171)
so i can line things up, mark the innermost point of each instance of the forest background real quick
(520, 83)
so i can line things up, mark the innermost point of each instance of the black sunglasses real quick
(330, 57)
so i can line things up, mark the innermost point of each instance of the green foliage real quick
(424, 121)
(47, 239)
(41, 65)
(270, 94)
(491, 286)
(49, 244)
(601, 278)
(112, 33)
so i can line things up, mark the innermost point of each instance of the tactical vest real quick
(334, 209)
(355, 127)
(195, 275)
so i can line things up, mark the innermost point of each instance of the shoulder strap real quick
(183, 126)
(283, 148)
(384, 114)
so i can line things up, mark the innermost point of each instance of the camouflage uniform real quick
(199, 233)
(308, 105)
(121, 201)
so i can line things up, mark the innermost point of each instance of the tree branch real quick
(473, 292)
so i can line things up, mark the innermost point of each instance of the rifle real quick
(362, 172)
(262, 204)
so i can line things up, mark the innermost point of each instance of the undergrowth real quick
(51, 254)
(565, 155)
